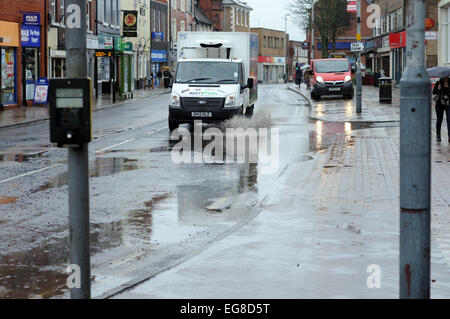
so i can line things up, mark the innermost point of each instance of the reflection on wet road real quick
(146, 212)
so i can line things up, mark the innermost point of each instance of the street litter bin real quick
(385, 85)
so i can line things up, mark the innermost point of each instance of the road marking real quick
(113, 146)
(29, 173)
(161, 129)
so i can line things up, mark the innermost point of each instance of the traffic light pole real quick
(415, 161)
(78, 155)
(358, 65)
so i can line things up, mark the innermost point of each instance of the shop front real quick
(9, 42)
(158, 60)
(126, 76)
(30, 42)
(272, 69)
(397, 42)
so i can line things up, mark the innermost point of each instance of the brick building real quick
(213, 9)
(387, 47)
(22, 53)
(348, 35)
(160, 45)
(236, 16)
(181, 19)
(271, 54)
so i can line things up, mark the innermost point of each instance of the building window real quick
(265, 41)
(53, 10)
(62, 11)
(400, 18)
(446, 34)
(88, 16)
(182, 26)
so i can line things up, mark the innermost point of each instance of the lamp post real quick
(285, 48)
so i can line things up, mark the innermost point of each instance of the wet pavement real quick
(228, 229)
(337, 109)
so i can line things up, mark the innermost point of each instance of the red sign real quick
(352, 6)
(397, 40)
(429, 24)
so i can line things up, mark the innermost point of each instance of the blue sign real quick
(41, 91)
(159, 56)
(32, 19)
(30, 36)
(158, 36)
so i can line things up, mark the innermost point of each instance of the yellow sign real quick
(358, 37)
(9, 34)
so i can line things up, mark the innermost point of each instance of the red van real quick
(331, 77)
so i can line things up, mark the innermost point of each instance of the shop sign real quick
(429, 24)
(158, 36)
(130, 20)
(41, 91)
(431, 35)
(105, 42)
(127, 46)
(103, 53)
(32, 19)
(397, 40)
(159, 56)
(305, 45)
(9, 34)
(92, 43)
(30, 36)
(270, 59)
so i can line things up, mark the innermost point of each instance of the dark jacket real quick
(438, 91)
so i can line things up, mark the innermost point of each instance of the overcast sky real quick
(270, 14)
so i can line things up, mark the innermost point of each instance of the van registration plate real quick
(334, 89)
(201, 114)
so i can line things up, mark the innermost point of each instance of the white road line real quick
(30, 173)
(110, 147)
(161, 129)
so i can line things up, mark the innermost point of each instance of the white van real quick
(216, 77)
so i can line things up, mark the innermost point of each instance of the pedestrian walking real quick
(307, 78)
(441, 94)
(159, 77)
(298, 77)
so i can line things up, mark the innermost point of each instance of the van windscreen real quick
(330, 66)
(207, 72)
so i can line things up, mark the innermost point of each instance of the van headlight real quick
(175, 99)
(320, 79)
(230, 101)
(348, 78)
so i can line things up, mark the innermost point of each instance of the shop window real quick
(8, 76)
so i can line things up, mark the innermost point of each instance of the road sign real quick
(358, 47)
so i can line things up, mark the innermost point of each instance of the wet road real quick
(147, 213)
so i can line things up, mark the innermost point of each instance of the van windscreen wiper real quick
(226, 80)
(195, 80)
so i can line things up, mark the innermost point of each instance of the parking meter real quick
(70, 111)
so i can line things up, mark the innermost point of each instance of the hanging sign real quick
(130, 21)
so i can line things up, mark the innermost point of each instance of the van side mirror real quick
(250, 83)
(353, 71)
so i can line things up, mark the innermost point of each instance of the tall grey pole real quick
(78, 155)
(285, 48)
(415, 161)
(358, 65)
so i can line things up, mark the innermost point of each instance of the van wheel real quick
(348, 97)
(173, 125)
(315, 97)
(249, 111)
